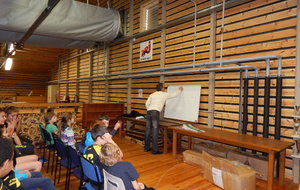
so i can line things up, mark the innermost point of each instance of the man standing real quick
(154, 105)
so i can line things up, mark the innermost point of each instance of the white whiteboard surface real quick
(186, 105)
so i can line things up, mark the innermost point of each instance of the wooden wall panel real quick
(98, 94)
(98, 63)
(62, 90)
(84, 62)
(256, 28)
(118, 91)
(72, 90)
(83, 92)
(118, 63)
(63, 70)
(263, 33)
(12, 84)
(73, 69)
(118, 60)
(148, 86)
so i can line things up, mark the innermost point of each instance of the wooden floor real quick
(163, 173)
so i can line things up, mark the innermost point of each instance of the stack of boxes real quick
(237, 171)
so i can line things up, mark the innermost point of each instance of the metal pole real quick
(240, 126)
(212, 57)
(179, 72)
(278, 107)
(191, 71)
(33, 27)
(206, 64)
(255, 106)
(245, 103)
(267, 101)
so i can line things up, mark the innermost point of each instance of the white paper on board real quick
(186, 105)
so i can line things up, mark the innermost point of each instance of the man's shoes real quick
(157, 152)
(147, 149)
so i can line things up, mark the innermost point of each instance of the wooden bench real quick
(266, 145)
(164, 124)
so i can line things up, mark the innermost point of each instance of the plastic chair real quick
(61, 158)
(74, 165)
(68, 158)
(49, 147)
(42, 135)
(112, 182)
(92, 173)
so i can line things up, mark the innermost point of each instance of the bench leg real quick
(190, 142)
(282, 166)
(174, 145)
(271, 170)
(165, 140)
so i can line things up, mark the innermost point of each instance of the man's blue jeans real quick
(152, 122)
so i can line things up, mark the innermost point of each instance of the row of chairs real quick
(67, 157)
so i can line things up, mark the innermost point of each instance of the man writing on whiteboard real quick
(154, 105)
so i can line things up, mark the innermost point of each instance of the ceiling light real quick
(8, 64)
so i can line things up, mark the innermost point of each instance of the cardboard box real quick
(260, 165)
(193, 158)
(228, 174)
(218, 150)
(213, 149)
(199, 147)
(239, 156)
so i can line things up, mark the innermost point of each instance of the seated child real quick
(6, 164)
(50, 119)
(103, 120)
(34, 180)
(67, 133)
(100, 136)
(11, 125)
(111, 157)
(12, 114)
(52, 110)
(28, 162)
(14, 179)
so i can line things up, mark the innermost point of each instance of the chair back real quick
(73, 156)
(61, 148)
(112, 182)
(42, 134)
(90, 170)
(46, 134)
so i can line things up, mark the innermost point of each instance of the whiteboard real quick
(186, 105)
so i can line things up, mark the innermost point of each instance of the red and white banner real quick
(146, 50)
